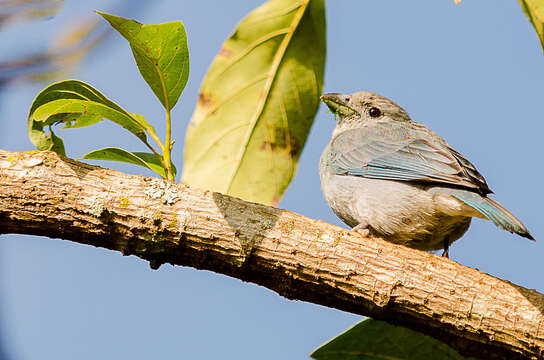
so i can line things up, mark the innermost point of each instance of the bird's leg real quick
(446, 252)
(362, 229)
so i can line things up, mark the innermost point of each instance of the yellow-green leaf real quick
(80, 120)
(534, 9)
(258, 101)
(75, 102)
(161, 53)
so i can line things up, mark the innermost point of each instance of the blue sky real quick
(472, 72)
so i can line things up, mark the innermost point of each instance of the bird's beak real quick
(338, 104)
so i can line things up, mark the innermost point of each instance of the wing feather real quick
(384, 153)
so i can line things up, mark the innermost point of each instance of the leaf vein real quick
(273, 71)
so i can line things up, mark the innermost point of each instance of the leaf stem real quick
(168, 147)
(153, 149)
(157, 140)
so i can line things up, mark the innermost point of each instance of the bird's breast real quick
(401, 212)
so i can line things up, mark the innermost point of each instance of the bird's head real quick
(362, 107)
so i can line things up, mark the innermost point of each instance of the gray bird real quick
(384, 174)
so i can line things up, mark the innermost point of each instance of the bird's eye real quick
(374, 112)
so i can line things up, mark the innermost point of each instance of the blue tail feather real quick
(494, 212)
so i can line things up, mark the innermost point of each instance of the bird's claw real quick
(362, 229)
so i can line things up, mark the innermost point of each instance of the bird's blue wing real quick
(400, 154)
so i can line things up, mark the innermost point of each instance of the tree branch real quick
(297, 257)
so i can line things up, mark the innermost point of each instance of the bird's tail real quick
(495, 212)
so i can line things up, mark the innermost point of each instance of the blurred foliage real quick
(17, 11)
(60, 60)
(65, 52)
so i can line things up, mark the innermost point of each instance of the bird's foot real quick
(362, 229)
(446, 252)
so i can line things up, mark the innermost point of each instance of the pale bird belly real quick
(400, 212)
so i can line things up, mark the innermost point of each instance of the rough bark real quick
(298, 257)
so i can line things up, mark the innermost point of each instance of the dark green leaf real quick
(376, 340)
(161, 54)
(74, 101)
(148, 160)
(258, 102)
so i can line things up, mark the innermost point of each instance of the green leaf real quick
(258, 102)
(161, 54)
(80, 120)
(376, 340)
(534, 9)
(43, 141)
(144, 124)
(154, 163)
(148, 160)
(58, 143)
(79, 104)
